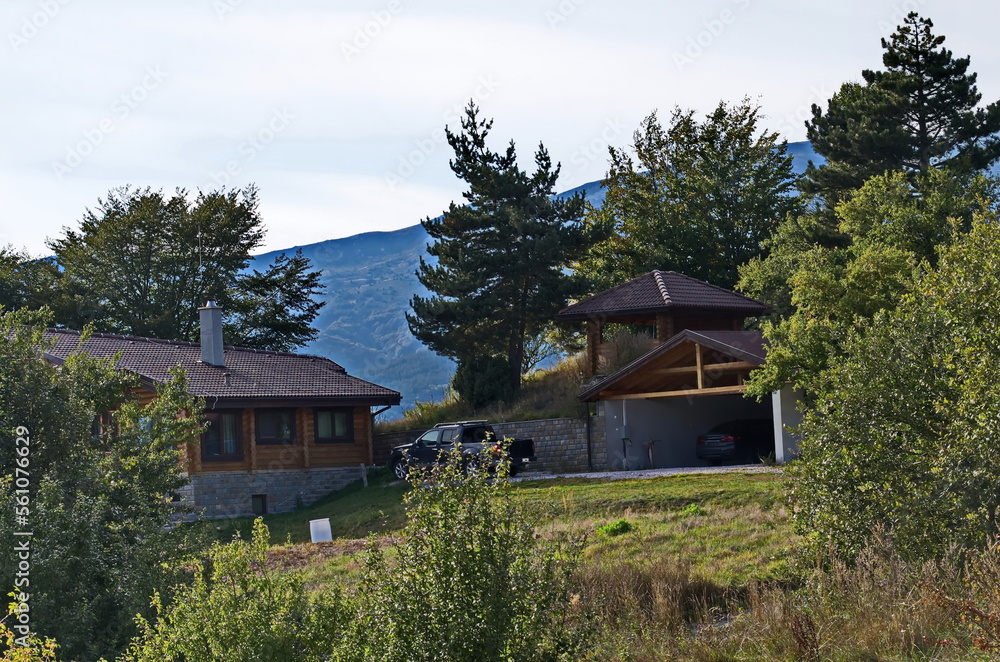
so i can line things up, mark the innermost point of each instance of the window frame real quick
(333, 411)
(274, 441)
(223, 457)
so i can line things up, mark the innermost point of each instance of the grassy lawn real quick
(731, 528)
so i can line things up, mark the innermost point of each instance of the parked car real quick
(741, 441)
(433, 446)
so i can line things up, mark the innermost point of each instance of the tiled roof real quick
(247, 374)
(663, 291)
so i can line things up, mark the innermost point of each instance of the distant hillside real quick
(370, 279)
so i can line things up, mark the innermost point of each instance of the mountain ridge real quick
(370, 278)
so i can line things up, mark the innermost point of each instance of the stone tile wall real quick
(228, 494)
(560, 443)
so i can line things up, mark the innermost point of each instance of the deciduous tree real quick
(700, 198)
(142, 263)
(903, 432)
(100, 469)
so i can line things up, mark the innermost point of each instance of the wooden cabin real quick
(284, 429)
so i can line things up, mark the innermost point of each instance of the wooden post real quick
(249, 428)
(308, 434)
(594, 339)
(701, 376)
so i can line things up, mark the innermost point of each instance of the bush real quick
(483, 380)
(903, 435)
(102, 543)
(241, 610)
(616, 528)
(470, 581)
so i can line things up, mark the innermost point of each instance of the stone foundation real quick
(230, 493)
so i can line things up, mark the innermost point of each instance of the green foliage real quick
(498, 274)
(470, 581)
(482, 380)
(19, 647)
(617, 528)
(241, 609)
(142, 263)
(24, 282)
(827, 280)
(693, 510)
(903, 433)
(919, 113)
(700, 198)
(99, 497)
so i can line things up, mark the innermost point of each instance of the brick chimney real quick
(211, 334)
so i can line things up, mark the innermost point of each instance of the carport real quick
(656, 406)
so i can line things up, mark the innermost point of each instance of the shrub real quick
(98, 512)
(470, 580)
(616, 528)
(239, 609)
(903, 435)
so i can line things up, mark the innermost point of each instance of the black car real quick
(432, 447)
(742, 442)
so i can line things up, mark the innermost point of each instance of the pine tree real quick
(921, 112)
(498, 268)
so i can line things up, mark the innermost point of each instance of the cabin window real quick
(275, 426)
(223, 439)
(258, 504)
(334, 425)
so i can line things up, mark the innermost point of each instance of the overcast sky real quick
(336, 109)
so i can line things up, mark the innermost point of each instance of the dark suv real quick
(743, 442)
(432, 447)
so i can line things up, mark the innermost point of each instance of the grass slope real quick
(732, 528)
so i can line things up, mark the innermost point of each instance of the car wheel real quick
(473, 467)
(399, 469)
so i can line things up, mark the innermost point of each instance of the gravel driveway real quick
(653, 473)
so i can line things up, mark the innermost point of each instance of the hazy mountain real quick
(370, 279)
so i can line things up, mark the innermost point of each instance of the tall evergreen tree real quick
(142, 263)
(498, 269)
(700, 197)
(920, 112)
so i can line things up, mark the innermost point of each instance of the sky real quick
(336, 110)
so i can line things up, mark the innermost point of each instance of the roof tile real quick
(247, 374)
(663, 291)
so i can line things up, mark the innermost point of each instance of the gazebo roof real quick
(662, 292)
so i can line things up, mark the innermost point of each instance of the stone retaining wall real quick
(229, 494)
(560, 443)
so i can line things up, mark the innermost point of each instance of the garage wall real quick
(672, 424)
